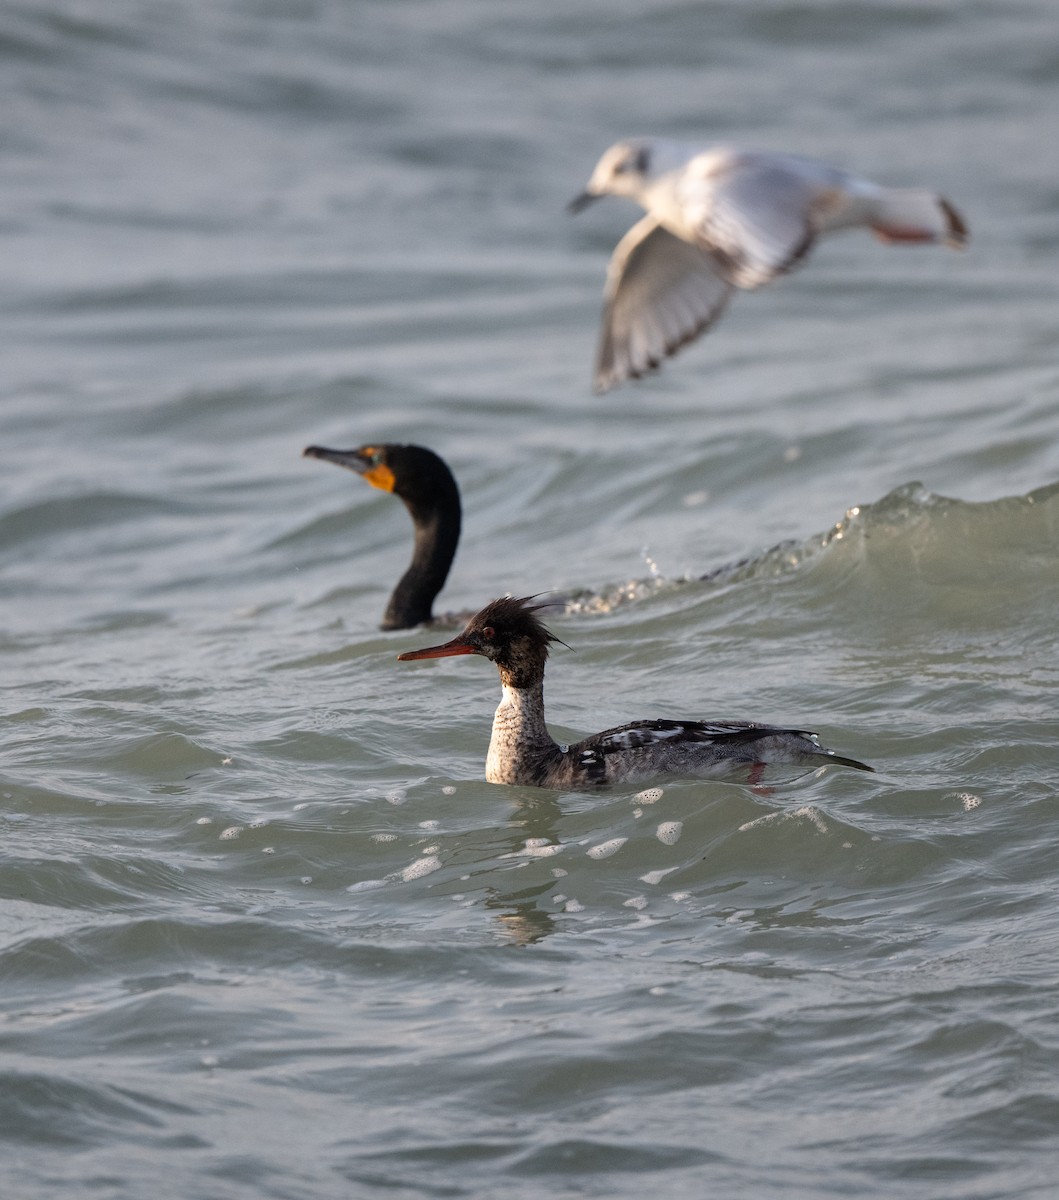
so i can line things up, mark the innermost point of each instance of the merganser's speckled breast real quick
(522, 751)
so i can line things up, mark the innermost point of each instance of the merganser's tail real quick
(831, 757)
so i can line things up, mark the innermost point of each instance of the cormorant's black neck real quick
(436, 518)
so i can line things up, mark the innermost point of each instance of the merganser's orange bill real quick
(448, 650)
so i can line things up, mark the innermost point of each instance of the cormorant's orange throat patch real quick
(381, 477)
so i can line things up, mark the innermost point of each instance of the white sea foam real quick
(654, 877)
(669, 832)
(367, 885)
(421, 867)
(606, 849)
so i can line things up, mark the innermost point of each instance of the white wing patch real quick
(630, 739)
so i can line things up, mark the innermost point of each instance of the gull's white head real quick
(628, 167)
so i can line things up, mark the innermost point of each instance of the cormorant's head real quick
(414, 473)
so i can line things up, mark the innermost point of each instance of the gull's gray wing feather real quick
(661, 293)
(755, 214)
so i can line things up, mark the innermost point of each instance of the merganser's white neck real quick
(521, 749)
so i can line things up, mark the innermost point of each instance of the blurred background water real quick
(265, 930)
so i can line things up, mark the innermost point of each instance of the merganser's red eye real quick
(489, 633)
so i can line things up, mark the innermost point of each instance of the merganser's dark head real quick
(414, 473)
(508, 633)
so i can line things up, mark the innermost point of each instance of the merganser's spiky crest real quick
(509, 633)
(426, 485)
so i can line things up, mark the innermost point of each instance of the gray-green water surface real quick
(265, 931)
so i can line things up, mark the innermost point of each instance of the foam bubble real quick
(767, 819)
(367, 885)
(548, 850)
(637, 902)
(384, 837)
(573, 906)
(649, 796)
(808, 812)
(668, 832)
(421, 867)
(657, 876)
(231, 833)
(813, 814)
(606, 849)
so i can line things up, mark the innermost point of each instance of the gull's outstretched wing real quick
(661, 292)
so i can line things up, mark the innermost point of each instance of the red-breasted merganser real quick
(425, 484)
(522, 751)
(720, 218)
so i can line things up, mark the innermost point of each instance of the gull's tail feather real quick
(916, 215)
